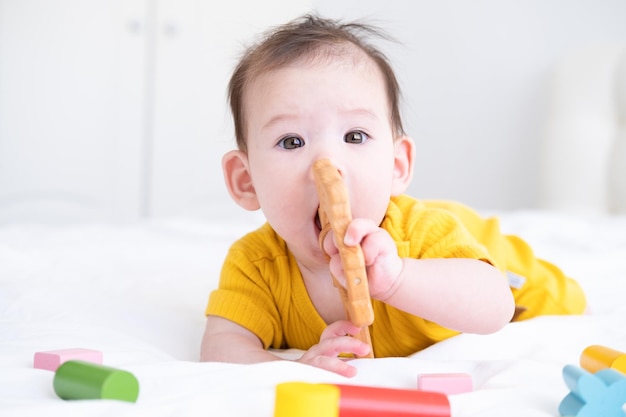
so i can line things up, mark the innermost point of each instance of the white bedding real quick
(137, 293)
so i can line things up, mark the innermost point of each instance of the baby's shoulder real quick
(261, 243)
(408, 212)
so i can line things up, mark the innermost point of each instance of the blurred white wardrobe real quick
(115, 110)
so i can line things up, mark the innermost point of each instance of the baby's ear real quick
(403, 164)
(238, 180)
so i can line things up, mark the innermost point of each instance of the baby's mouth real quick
(318, 222)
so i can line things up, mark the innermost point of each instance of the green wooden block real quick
(79, 380)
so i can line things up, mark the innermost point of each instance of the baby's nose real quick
(325, 164)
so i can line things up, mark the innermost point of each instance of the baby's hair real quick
(309, 37)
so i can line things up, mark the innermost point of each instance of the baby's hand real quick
(336, 340)
(379, 252)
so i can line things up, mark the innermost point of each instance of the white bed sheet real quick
(137, 293)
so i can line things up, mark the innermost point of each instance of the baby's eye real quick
(355, 137)
(291, 142)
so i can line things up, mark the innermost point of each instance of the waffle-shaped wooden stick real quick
(335, 215)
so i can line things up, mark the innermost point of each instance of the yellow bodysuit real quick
(261, 287)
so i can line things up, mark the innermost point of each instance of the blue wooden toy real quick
(593, 395)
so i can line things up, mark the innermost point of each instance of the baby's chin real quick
(310, 256)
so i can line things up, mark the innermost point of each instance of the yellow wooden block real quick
(306, 400)
(597, 357)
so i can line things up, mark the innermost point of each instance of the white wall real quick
(476, 78)
(115, 109)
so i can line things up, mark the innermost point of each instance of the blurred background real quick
(115, 110)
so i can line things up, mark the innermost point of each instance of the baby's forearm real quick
(226, 341)
(466, 295)
(232, 348)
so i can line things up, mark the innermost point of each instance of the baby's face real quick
(332, 108)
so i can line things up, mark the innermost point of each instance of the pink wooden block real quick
(448, 384)
(52, 359)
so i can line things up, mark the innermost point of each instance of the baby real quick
(317, 89)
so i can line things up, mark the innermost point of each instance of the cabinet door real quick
(198, 43)
(71, 109)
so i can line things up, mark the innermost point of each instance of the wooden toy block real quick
(52, 359)
(326, 400)
(306, 400)
(593, 395)
(358, 401)
(335, 214)
(449, 384)
(597, 357)
(78, 380)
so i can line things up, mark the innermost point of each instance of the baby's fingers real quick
(358, 229)
(336, 365)
(337, 340)
(333, 342)
(328, 244)
(339, 328)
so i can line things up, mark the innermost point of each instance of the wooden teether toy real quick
(335, 215)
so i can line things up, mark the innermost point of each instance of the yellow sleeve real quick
(244, 294)
(537, 285)
(419, 233)
(429, 232)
